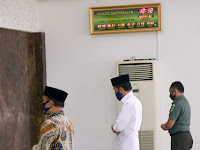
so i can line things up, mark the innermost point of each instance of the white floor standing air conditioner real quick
(143, 76)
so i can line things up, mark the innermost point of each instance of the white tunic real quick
(128, 123)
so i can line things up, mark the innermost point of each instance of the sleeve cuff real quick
(114, 127)
(172, 118)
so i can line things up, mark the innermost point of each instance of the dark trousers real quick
(181, 141)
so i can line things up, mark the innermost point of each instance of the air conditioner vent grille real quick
(137, 71)
(146, 138)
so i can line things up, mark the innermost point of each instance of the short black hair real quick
(125, 86)
(57, 103)
(178, 85)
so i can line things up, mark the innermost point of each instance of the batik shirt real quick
(57, 133)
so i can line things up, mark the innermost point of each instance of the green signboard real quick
(133, 18)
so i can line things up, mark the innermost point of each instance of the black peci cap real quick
(56, 94)
(120, 80)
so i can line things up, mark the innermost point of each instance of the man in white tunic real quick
(129, 120)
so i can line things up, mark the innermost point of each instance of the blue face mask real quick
(44, 110)
(119, 96)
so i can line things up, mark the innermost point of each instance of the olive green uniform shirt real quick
(180, 113)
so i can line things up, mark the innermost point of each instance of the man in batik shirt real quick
(57, 132)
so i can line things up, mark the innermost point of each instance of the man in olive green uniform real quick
(179, 119)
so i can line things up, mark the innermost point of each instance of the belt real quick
(172, 134)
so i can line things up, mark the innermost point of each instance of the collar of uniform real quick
(126, 97)
(54, 114)
(179, 98)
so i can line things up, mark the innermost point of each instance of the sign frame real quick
(126, 7)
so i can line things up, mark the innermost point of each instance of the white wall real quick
(179, 58)
(82, 64)
(19, 14)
